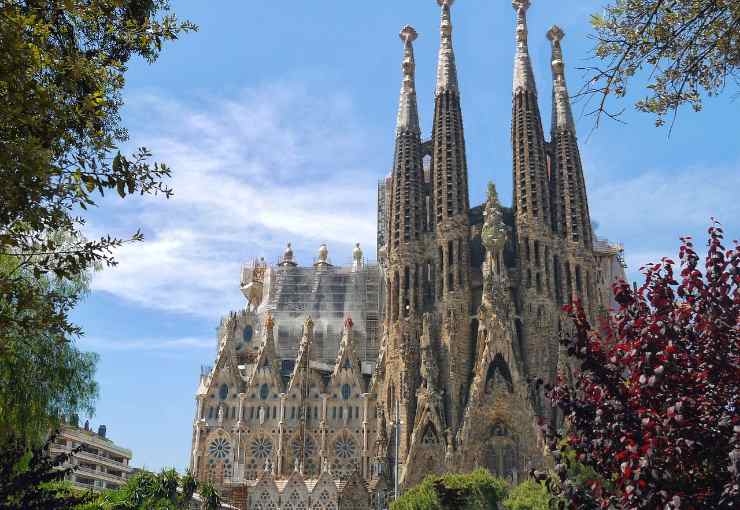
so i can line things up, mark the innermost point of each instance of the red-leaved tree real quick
(653, 408)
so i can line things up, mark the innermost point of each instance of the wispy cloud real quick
(251, 172)
(651, 211)
(100, 344)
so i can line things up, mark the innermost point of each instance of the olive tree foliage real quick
(684, 49)
(62, 67)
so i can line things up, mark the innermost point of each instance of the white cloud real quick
(651, 211)
(249, 173)
(177, 344)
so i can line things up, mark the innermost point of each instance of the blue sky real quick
(277, 119)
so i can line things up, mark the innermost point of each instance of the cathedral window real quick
(357, 412)
(261, 447)
(274, 412)
(264, 391)
(223, 392)
(292, 413)
(334, 413)
(248, 333)
(251, 412)
(341, 409)
(219, 448)
(210, 412)
(346, 391)
(345, 448)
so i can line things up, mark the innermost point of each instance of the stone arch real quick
(498, 372)
(501, 450)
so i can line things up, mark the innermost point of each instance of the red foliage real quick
(654, 408)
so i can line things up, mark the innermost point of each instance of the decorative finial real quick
(555, 34)
(408, 34)
(269, 322)
(562, 115)
(308, 324)
(520, 4)
(408, 114)
(443, 3)
(348, 322)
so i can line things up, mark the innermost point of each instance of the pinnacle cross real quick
(408, 114)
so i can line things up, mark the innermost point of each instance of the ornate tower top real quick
(523, 75)
(408, 113)
(446, 69)
(562, 117)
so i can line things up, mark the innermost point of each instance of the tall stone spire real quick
(570, 215)
(562, 117)
(407, 218)
(531, 186)
(408, 112)
(451, 212)
(523, 75)
(446, 69)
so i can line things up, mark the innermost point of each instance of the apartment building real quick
(99, 464)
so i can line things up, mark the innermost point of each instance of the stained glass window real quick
(219, 448)
(223, 392)
(345, 448)
(346, 391)
(261, 448)
(248, 333)
(264, 391)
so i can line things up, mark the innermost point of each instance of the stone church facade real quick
(347, 379)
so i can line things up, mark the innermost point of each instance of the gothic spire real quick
(570, 205)
(451, 212)
(531, 181)
(523, 75)
(562, 117)
(446, 69)
(406, 200)
(408, 112)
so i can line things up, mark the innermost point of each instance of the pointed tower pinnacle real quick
(406, 199)
(562, 115)
(531, 180)
(446, 69)
(408, 113)
(523, 75)
(571, 217)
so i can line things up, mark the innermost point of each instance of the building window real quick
(264, 391)
(223, 392)
(248, 333)
(346, 391)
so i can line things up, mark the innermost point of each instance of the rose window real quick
(219, 448)
(261, 448)
(297, 447)
(345, 448)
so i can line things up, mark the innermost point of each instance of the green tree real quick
(30, 479)
(478, 490)
(42, 377)
(530, 495)
(684, 49)
(62, 67)
(166, 490)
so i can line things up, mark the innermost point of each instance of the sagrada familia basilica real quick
(335, 384)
